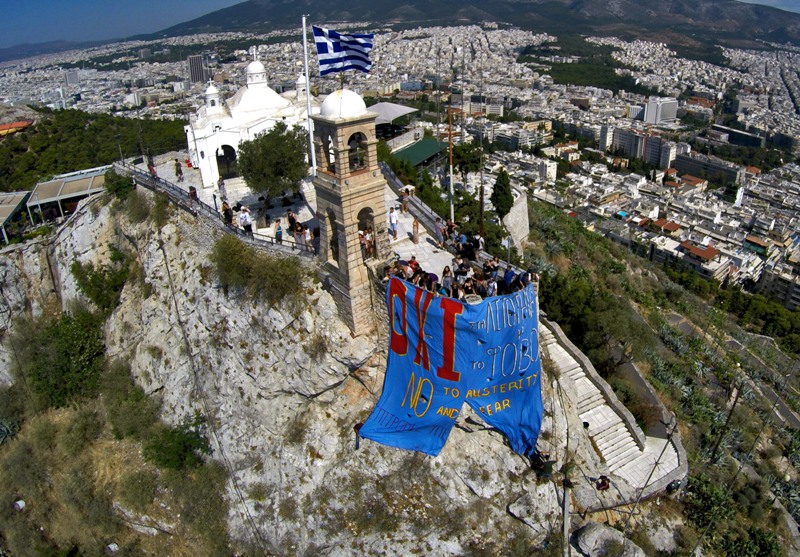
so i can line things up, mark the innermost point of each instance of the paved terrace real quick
(645, 464)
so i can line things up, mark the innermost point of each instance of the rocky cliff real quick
(282, 388)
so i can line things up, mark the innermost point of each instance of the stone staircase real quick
(610, 434)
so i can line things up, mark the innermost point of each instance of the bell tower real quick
(350, 199)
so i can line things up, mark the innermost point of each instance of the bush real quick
(12, 410)
(178, 448)
(642, 539)
(41, 231)
(262, 276)
(117, 185)
(131, 412)
(706, 500)
(160, 212)
(316, 346)
(232, 259)
(85, 503)
(103, 285)
(201, 500)
(23, 472)
(138, 489)
(60, 359)
(81, 431)
(137, 207)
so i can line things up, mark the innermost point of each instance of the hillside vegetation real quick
(82, 446)
(617, 309)
(69, 140)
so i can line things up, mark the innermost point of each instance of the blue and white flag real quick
(339, 53)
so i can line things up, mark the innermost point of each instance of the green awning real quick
(421, 151)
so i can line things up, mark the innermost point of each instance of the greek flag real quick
(338, 52)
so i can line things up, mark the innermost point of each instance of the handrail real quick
(198, 208)
(427, 216)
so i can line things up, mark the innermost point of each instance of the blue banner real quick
(444, 352)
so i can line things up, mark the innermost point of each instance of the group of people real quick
(304, 237)
(244, 220)
(449, 237)
(464, 278)
(366, 238)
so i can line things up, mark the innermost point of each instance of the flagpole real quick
(313, 156)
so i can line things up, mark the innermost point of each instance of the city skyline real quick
(40, 21)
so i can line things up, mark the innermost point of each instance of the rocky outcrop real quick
(282, 389)
(596, 540)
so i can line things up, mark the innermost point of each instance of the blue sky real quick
(38, 21)
(788, 5)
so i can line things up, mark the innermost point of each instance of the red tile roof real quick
(703, 252)
(692, 180)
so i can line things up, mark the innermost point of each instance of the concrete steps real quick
(623, 455)
(589, 401)
(600, 418)
(624, 461)
(613, 437)
(609, 433)
(638, 469)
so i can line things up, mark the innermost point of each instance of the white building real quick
(669, 150)
(219, 126)
(659, 109)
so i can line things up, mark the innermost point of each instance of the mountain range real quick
(680, 22)
(685, 24)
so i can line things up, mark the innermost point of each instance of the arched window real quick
(357, 150)
(366, 225)
(328, 153)
(333, 239)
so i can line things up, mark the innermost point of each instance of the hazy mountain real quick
(25, 50)
(690, 23)
(788, 5)
(728, 21)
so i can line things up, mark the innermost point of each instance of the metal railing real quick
(181, 198)
(427, 216)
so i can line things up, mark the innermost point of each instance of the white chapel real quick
(216, 129)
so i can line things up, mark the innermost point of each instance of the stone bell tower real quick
(350, 198)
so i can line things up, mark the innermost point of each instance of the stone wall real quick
(516, 220)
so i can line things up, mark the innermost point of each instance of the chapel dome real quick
(343, 103)
(212, 90)
(255, 67)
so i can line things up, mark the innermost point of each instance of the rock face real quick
(596, 540)
(282, 389)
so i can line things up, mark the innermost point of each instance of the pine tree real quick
(501, 196)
